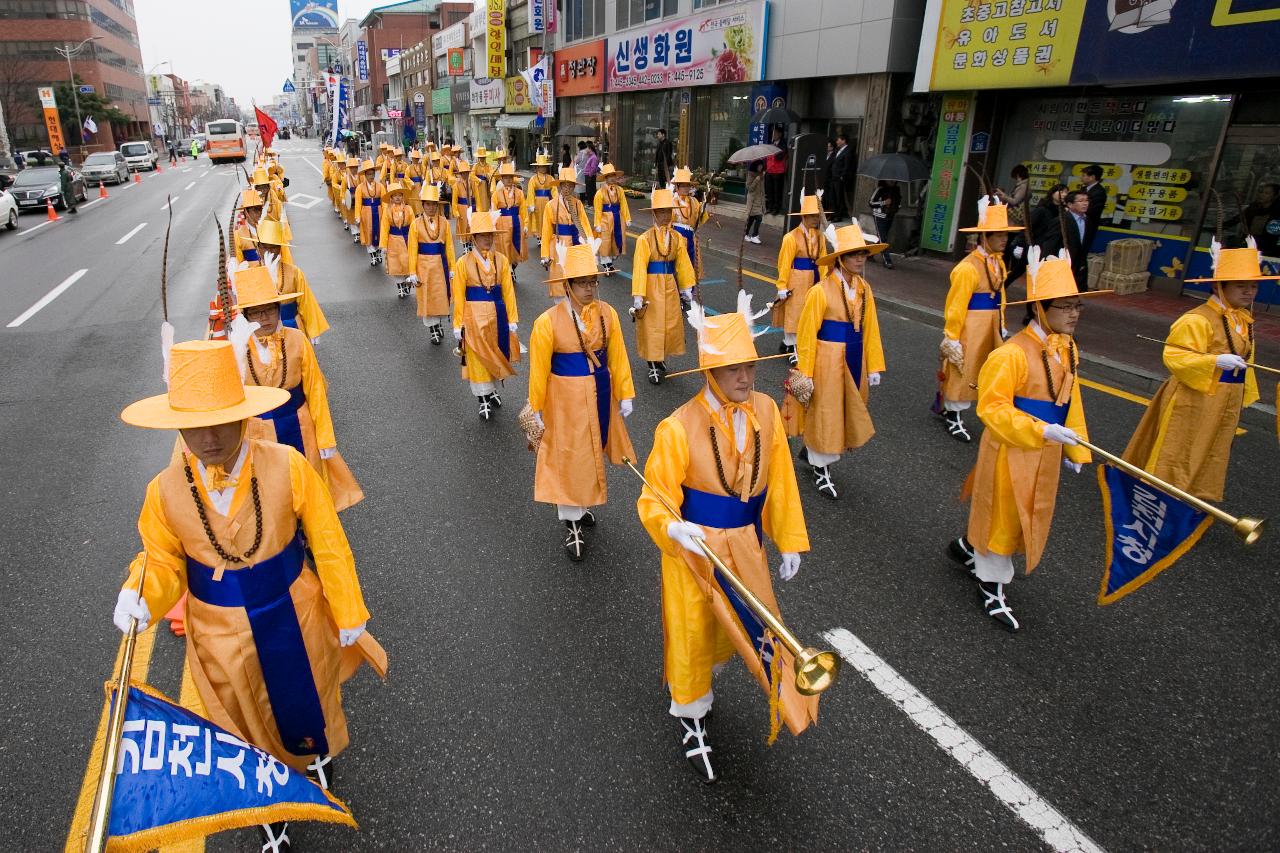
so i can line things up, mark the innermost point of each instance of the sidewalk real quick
(918, 286)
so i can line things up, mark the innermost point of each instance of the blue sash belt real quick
(465, 202)
(514, 213)
(690, 241)
(568, 231)
(661, 268)
(576, 364)
(838, 332)
(285, 418)
(542, 193)
(983, 302)
(250, 254)
(289, 313)
(494, 295)
(399, 230)
(805, 265)
(723, 511)
(1230, 377)
(263, 591)
(615, 208)
(416, 179)
(436, 249)
(1043, 409)
(376, 214)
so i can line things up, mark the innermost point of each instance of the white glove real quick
(315, 341)
(687, 294)
(783, 294)
(685, 533)
(328, 452)
(873, 379)
(628, 223)
(514, 327)
(599, 229)
(952, 351)
(546, 263)
(412, 279)
(457, 335)
(626, 407)
(347, 636)
(1060, 434)
(1230, 361)
(637, 302)
(790, 565)
(1017, 252)
(130, 604)
(1074, 467)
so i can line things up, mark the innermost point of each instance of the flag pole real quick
(101, 815)
(1198, 352)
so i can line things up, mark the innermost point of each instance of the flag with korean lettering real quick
(1148, 530)
(179, 777)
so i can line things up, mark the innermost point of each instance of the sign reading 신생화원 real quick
(725, 46)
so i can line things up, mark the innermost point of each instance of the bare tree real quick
(18, 84)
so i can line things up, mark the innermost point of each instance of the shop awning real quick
(519, 121)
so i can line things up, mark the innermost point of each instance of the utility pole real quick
(68, 51)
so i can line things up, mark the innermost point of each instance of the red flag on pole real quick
(266, 127)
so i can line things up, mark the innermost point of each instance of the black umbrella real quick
(577, 130)
(894, 167)
(775, 115)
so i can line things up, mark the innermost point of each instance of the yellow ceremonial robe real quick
(370, 202)
(660, 269)
(222, 654)
(478, 316)
(683, 458)
(510, 200)
(688, 215)
(396, 242)
(974, 316)
(310, 316)
(798, 270)
(1014, 484)
(564, 388)
(611, 227)
(566, 224)
(542, 187)
(433, 270)
(1185, 436)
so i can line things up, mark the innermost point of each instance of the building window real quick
(633, 13)
(703, 4)
(584, 19)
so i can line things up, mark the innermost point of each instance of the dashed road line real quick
(170, 201)
(36, 227)
(189, 186)
(47, 298)
(125, 238)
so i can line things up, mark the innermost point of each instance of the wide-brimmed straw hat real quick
(254, 287)
(992, 218)
(205, 389)
(272, 232)
(579, 262)
(250, 198)
(260, 177)
(480, 222)
(849, 238)
(809, 205)
(461, 166)
(507, 168)
(1051, 278)
(662, 199)
(1244, 264)
(608, 169)
(682, 176)
(543, 159)
(726, 339)
(568, 175)
(430, 192)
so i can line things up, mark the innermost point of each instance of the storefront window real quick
(651, 110)
(730, 117)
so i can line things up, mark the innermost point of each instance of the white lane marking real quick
(1057, 831)
(47, 298)
(125, 185)
(189, 186)
(170, 201)
(125, 238)
(188, 169)
(312, 165)
(92, 203)
(311, 201)
(36, 227)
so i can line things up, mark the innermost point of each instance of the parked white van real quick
(139, 156)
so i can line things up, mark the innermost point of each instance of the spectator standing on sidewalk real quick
(1015, 250)
(663, 158)
(566, 160)
(1046, 223)
(841, 177)
(1091, 181)
(828, 199)
(756, 177)
(775, 176)
(173, 153)
(590, 168)
(885, 202)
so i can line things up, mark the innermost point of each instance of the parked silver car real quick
(105, 166)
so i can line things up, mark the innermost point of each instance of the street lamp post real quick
(68, 51)
(160, 95)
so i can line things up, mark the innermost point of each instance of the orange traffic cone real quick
(102, 190)
(177, 617)
(137, 177)
(158, 169)
(53, 214)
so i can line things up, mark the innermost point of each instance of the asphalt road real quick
(524, 707)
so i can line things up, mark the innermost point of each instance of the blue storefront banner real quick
(1148, 530)
(765, 96)
(362, 60)
(180, 777)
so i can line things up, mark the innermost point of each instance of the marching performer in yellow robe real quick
(661, 279)
(840, 359)
(415, 174)
(564, 222)
(541, 187)
(722, 458)
(282, 357)
(371, 196)
(226, 506)
(326, 175)
(394, 241)
(436, 171)
(461, 203)
(485, 316)
(974, 316)
(346, 183)
(580, 390)
(798, 270)
(481, 172)
(1029, 402)
(246, 234)
(613, 216)
(305, 314)
(689, 215)
(500, 158)
(1185, 436)
(431, 261)
(508, 207)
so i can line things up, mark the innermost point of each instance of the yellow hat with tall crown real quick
(849, 238)
(568, 175)
(992, 217)
(608, 169)
(480, 222)
(507, 168)
(250, 198)
(481, 152)
(1244, 264)
(367, 166)
(662, 199)
(205, 389)
(430, 192)
(578, 261)
(353, 162)
(809, 205)
(543, 159)
(260, 177)
(1050, 277)
(726, 339)
(682, 176)
(461, 166)
(254, 287)
(415, 154)
(271, 232)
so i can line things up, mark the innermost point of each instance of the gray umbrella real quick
(576, 130)
(894, 167)
(775, 115)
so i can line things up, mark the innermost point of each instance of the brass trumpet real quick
(815, 670)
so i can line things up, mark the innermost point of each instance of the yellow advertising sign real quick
(1049, 168)
(51, 122)
(496, 39)
(518, 100)
(1009, 44)
(1109, 172)
(1159, 175)
(1137, 209)
(1042, 183)
(1150, 192)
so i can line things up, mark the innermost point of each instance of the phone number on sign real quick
(664, 78)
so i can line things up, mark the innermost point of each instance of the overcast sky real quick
(242, 44)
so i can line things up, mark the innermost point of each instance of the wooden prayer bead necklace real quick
(208, 530)
(755, 465)
(577, 327)
(862, 311)
(1073, 360)
(1231, 341)
(284, 364)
